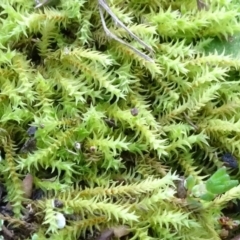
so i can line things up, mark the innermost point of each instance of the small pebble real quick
(110, 122)
(229, 160)
(134, 111)
(181, 190)
(60, 220)
(77, 145)
(29, 146)
(57, 203)
(31, 131)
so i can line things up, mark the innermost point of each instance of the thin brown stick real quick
(103, 4)
(108, 33)
(190, 122)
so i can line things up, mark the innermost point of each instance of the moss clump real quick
(112, 132)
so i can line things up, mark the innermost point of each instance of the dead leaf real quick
(28, 185)
(106, 234)
(121, 231)
(7, 233)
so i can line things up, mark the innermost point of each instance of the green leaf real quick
(230, 184)
(190, 182)
(220, 182)
(219, 174)
(208, 196)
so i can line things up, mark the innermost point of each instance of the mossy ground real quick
(112, 131)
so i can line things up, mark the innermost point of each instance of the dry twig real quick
(103, 4)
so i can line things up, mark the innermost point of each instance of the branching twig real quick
(103, 4)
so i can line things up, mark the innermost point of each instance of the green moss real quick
(115, 130)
